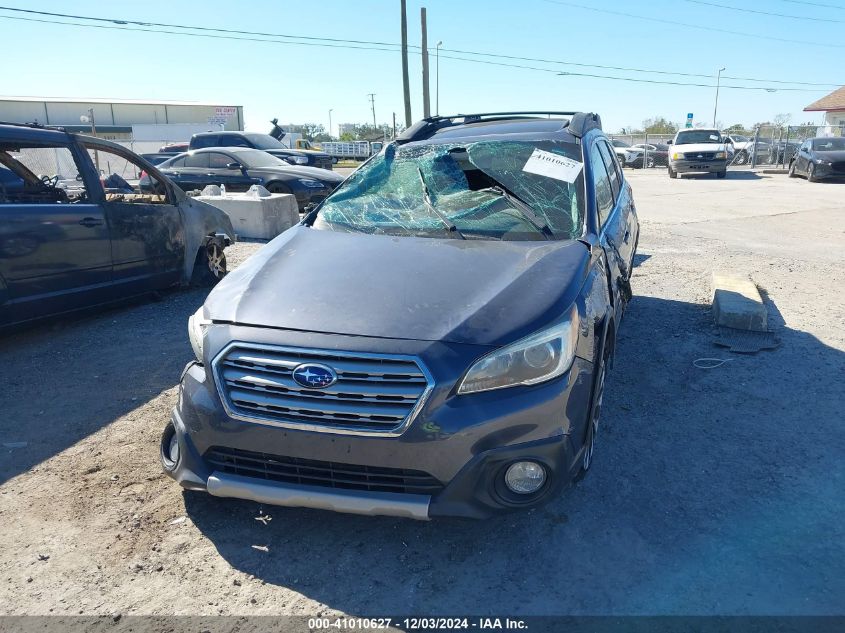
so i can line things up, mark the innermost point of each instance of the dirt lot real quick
(714, 491)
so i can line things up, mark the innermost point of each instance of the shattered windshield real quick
(501, 190)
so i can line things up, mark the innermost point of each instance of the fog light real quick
(525, 477)
(173, 449)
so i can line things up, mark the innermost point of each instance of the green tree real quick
(659, 125)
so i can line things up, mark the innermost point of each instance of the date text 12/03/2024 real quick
(418, 624)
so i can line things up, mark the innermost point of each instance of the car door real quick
(55, 252)
(221, 171)
(615, 213)
(802, 159)
(147, 231)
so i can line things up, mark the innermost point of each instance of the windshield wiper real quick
(430, 205)
(521, 206)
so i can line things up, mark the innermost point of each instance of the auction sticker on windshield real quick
(552, 166)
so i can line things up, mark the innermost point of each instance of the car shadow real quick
(121, 358)
(713, 491)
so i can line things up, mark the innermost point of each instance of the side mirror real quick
(233, 166)
(669, 142)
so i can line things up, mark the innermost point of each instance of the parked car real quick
(658, 155)
(157, 159)
(737, 146)
(174, 148)
(817, 158)
(432, 340)
(781, 152)
(698, 150)
(265, 142)
(238, 168)
(625, 152)
(72, 237)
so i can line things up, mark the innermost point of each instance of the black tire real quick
(721, 174)
(672, 173)
(811, 173)
(791, 173)
(651, 163)
(210, 265)
(334, 160)
(741, 158)
(595, 414)
(277, 187)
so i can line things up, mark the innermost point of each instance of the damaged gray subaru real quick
(431, 341)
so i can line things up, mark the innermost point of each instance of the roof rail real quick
(479, 115)
(424, 128)
(34, 125)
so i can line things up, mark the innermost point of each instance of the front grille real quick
(373, 394)
(324, 163)
(838, 167)
(311, 472)
(699, 155)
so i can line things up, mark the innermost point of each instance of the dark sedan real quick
(654, 155)
(238, 168)
(819, 158)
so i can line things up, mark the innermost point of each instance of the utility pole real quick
(372, 96)
(426, 99)
(330, 121)
(716, 107)
(437, 80)
(394, 125)
(406, 84)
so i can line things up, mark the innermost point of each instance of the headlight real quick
(542, 356)
(197, 325)
(720, 155)
(821, 161)
(297, 160)
(677, 156)
(311, 184)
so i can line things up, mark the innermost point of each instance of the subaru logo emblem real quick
(314, 376)
(701, 156)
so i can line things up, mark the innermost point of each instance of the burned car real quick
(76, 231)
(432, 340)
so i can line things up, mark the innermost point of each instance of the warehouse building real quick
(124, 120)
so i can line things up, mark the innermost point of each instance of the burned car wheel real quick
(210, 266)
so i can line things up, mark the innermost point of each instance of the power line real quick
(371, 45)
(692, 26)
(376, 48)
(815, 4)
(758, 12)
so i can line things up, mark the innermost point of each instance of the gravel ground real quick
(714, 491)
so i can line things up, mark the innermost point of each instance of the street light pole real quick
(330, 121)
(716, 107)
(437, 79)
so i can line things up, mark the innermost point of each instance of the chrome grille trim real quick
(375, 394)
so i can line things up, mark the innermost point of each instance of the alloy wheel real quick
(216, 260)
(594, 419)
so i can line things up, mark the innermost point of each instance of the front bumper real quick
(702, 166)
(463, 442)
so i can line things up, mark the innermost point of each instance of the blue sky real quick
(300, 83)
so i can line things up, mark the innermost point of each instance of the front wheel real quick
(741, 158)
(791, 172)
(672, 173)
(210, 266)
(721, 174)
(277, 187)
(811, 173)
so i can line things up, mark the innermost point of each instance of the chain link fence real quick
(766, 145)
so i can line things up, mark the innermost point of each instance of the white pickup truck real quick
(698, 150)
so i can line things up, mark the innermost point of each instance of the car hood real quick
(700, 147)
(834, 156)
(461, 291)
(300, 171)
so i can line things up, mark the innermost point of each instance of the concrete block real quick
(737, 303)
(257, 217)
